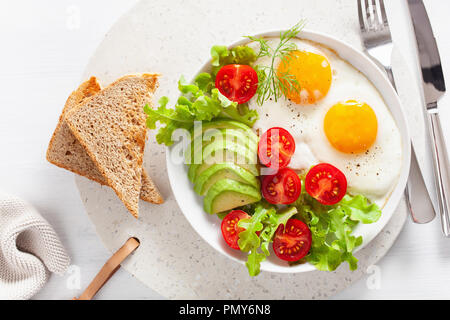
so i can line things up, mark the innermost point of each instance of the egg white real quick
(373, 173)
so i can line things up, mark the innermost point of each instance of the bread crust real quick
(149, 191)
(134, 150)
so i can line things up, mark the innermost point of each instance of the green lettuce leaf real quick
(240, 112)
(254, 262)
(218, 54)
(248, 239)
(359, 209)
(204, 82)
(259, 232)
(180, 117)
(332, 227)
(273, 221)
(221, 56)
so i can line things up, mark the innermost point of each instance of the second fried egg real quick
(336, 115)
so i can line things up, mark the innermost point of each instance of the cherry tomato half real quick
(230, 229)
(237, 82)
(291, 243)
(326, 183)
(284, 187)
(275, 148)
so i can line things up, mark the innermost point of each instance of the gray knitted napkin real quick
(29, 249)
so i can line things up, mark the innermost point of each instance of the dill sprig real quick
(270, 82)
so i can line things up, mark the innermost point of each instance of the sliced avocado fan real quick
(227, 194)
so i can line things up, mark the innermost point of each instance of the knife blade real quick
(418, 201)
(430, 60)
(433, 84)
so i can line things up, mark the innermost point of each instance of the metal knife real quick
(377, 40)
(433, 88)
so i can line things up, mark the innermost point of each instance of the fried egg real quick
(337, 116)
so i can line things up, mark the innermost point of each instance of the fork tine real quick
(383, 13)
(376, 16)
(368, 13)
(361, 16)
(373, 24)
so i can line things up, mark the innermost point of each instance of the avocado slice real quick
(196, 169)
(216, 152)
(227, 194)
(221, 171)
(227, 124)
(225, 136)
(219, 152)
(192, 170)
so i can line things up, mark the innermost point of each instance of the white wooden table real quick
(46, 45)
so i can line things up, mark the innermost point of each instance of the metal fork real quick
(376, 36)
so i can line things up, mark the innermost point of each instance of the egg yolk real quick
(351, 127)
(312, 75)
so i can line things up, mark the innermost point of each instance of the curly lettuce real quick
(331, 229)
(221, 56)
(259, 232)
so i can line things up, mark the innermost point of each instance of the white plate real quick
(208, 226)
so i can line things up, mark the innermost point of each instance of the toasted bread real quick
(111, 127)
(66, 152)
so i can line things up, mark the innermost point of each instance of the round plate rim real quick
(400, 120)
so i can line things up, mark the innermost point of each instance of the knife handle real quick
(441, 169)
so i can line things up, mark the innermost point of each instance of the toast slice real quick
(66, 152)
(111, 127)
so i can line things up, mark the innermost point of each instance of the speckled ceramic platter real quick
(173, 38)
